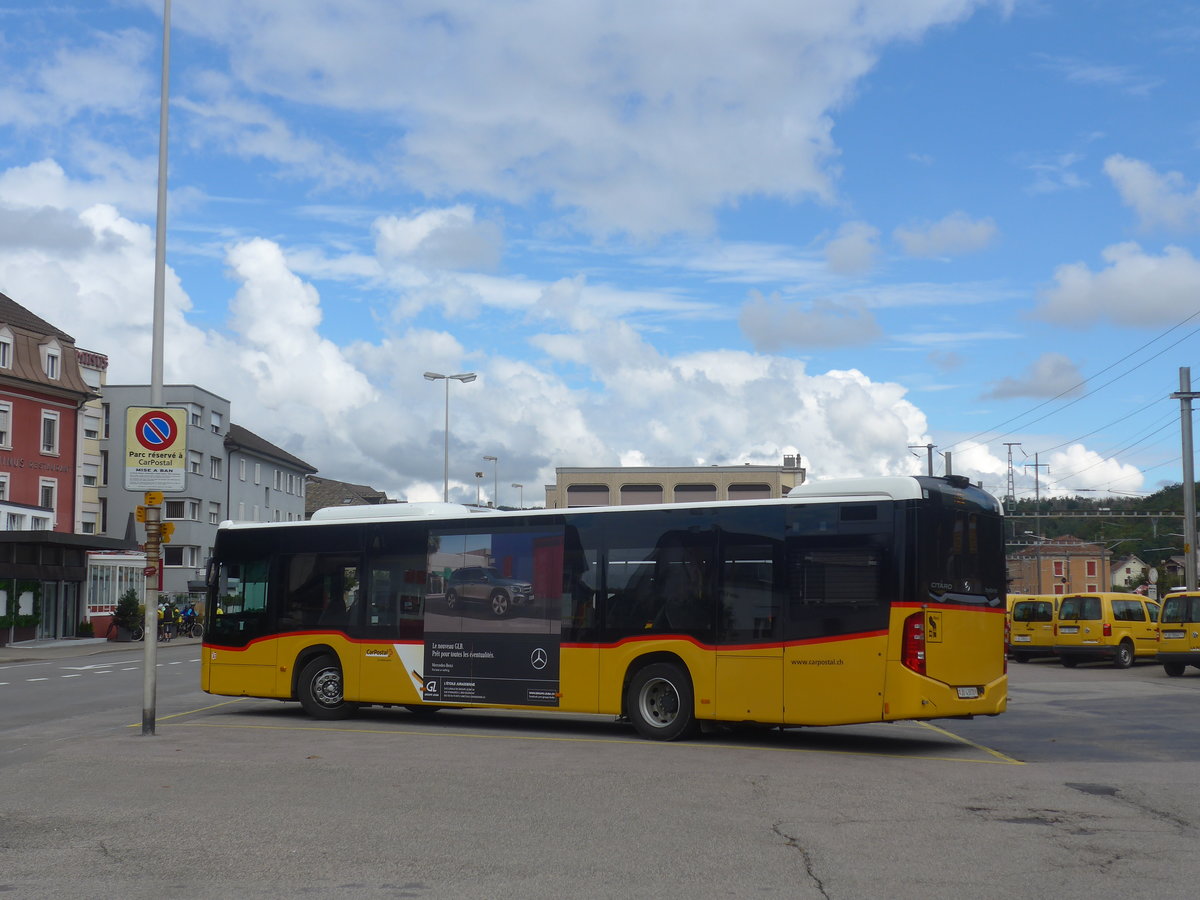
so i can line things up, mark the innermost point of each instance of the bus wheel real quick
(500, 604)
(1174, 669)
(320, 690)
(1021, 657)
(1124, 656)
(660, 704)
(1069, 661)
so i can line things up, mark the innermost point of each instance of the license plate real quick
(968, 693)
(1171, 635)
(1068, 629)
(1021, 638)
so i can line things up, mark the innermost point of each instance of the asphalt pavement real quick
(29, 651)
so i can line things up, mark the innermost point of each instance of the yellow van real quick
(1179, 632)
(1031, 626)
(1119, 627)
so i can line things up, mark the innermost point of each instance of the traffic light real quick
(140, 514)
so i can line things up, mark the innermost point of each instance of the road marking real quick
(131, 669)
(1000, 759)
(76, 675)
(37, 679)
(996, 753)
(190, 711)
(88, 668)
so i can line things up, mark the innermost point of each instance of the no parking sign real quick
(155, 449)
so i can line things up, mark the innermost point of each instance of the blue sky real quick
(688, 234)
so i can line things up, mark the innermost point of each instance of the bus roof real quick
(898, 487)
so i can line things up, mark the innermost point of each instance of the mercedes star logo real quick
(538, 658)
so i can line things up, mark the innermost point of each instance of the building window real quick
(195, 461)
(48, 493)
(106, 412)
(180, 556)
(91, 475)
(39, 523)
(1059, 571)
(218, 422)
(214, 513)
(242, 469)
(91, 427)
(242, 511)
(1091, 570)
(193, 508)
(87, 524)
(587, 495)
(195, 413)
(51, 359)
(173, 509)
(49, 431)
(749, 491)
(637, 494)
(14, 522)
(6, 426)
(278, 480)
(258, 473)
(104, 467)
(3, 486)
(215, 465)
(6, 348)
(695, 493)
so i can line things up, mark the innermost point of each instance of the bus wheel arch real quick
(659, 698)
(320, 685)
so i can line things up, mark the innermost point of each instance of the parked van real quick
(1031, 625)
(1119, 627)
(1179, 632)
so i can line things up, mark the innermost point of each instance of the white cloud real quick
(1077, 468)
(624, 119)
(953, 235)
(447, 238)
(1135, 288)
(771, 323)
(1157, 199)
(854, 249)
(1050, 375)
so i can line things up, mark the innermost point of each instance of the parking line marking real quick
(996, 753)
(76, 675)
(1000, 759)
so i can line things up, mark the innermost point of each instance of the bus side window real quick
(749, 603)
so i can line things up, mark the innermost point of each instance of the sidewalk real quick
(27, 651)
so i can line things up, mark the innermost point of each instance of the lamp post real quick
(520, 494)
(1038, 554)
(495, 461)
(478, 482)
(465, 378)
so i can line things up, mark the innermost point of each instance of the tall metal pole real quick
(1185, 395)
(446, 453)
(150, 622)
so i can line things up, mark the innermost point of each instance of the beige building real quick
(636, 485)
(1064, 565)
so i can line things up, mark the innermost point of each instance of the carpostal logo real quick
(385, 653)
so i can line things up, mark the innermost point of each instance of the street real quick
(1086, 788)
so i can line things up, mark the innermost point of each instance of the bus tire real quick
(1174, 669)
(660, 703)
(320, 689)
(1123, 658)
(1069, 661)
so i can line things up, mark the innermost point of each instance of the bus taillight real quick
(912, 652)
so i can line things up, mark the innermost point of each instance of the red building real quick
(41, 392)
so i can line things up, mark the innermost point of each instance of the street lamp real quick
(478, 482)
(465, 378)
(520, 494)
(495, 461)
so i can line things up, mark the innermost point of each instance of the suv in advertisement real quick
(483, 584)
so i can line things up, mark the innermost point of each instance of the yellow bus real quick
(849, 601)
